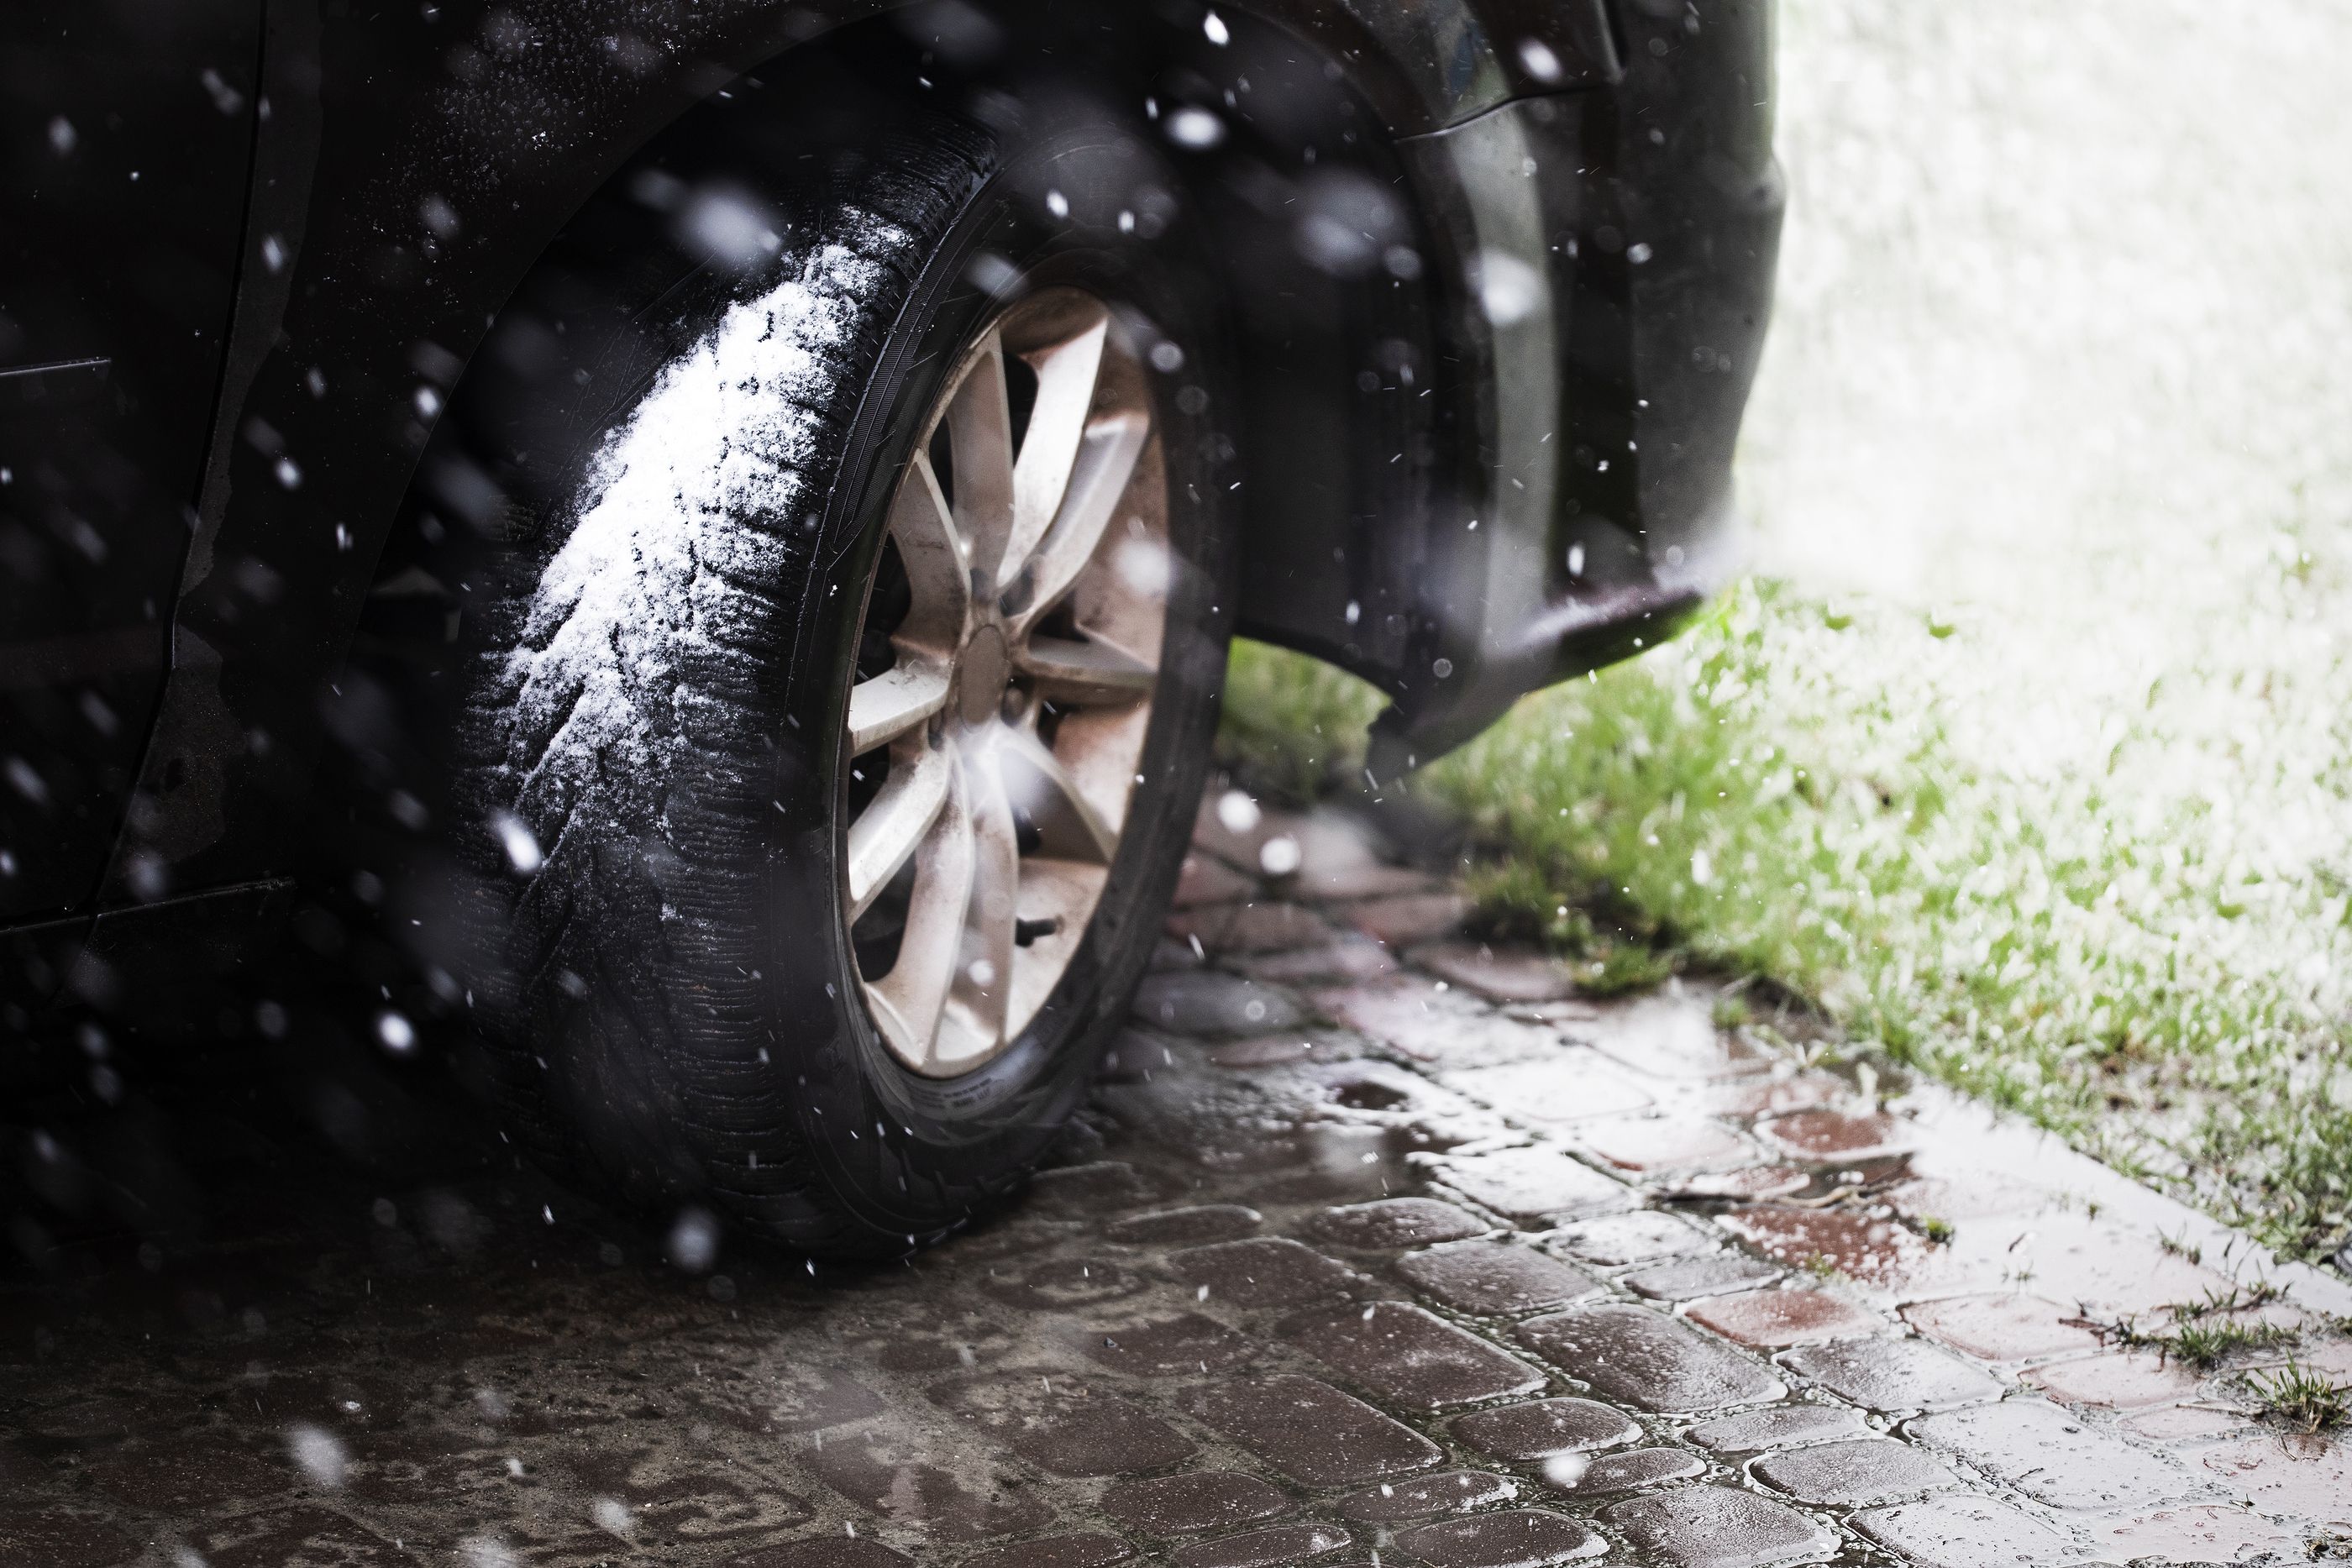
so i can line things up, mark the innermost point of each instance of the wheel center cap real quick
(981, 675)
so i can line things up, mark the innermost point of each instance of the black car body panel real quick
(1470, 476)
(129, 132)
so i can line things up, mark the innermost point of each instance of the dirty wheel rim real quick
(1028, 556)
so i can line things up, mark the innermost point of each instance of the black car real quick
(689, 547)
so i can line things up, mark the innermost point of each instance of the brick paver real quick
(1776, 1426)
(2054, 1457)
(1866, 1470)
(1771, 1319)
(1375, 1243)
(1966, 1531)
(1493, 1278)
(1454, 1491)
(1709, 1274)
(1411, 1356)
(1893, 1374)
(1514, 1538)
(1718, 1527)
(1649, 1360)
(1546, 1428)
(1628, 1471)
(1194, 1500)
(1394, 1222)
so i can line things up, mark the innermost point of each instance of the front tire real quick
(767, 776)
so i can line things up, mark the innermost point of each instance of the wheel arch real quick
(382, 257)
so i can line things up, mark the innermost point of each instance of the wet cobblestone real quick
(1374, 1244)
(1776, 1426)
(1965, 1531)
(1412, 1357)
(2053, 1456)
(1190, 1504)
(1493, 1278)
(1690, 1278)
(1772, 1320)
(1395, 1222)
(1267, 1271)
(1893, 1374)
(1310, 1431)
(1518, 1538)
(1649, 1360)
(2004, 1326)
(1274, 1548)
(1715, 1527)
(1868, 1470)
(1546, 1428)
(1454, 1491)
(1537, 1185)
(1630, 1471)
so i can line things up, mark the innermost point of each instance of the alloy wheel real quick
(997, 733)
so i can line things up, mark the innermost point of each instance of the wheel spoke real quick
(1066, 373)
(984, 987)
(895, 821)
(1068, 825)
(979, 435)
(931, 546)
(1105, 461)
(910, 1001)
(1083, 675)
(889, 706)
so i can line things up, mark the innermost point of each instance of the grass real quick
(2205, 1335)
(2301, 1397)
(1779, 795)
(2207, 1345)
(2236, 1298)
(1296, 724)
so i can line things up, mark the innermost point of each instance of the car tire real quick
(700, 453)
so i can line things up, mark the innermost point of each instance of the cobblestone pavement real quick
(1376, 1247)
